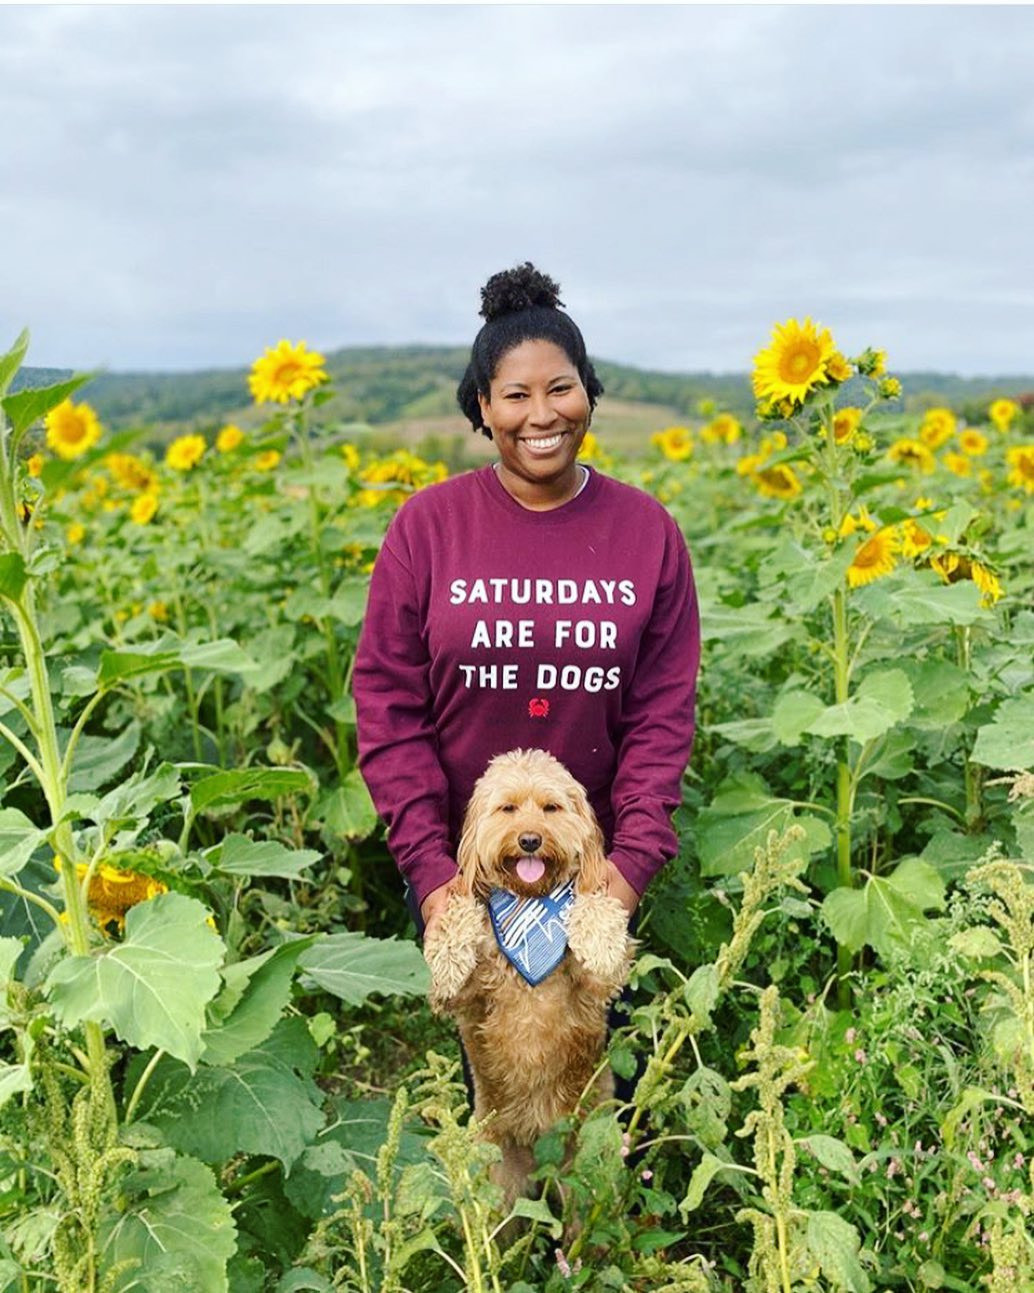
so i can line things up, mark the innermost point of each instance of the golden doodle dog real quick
(533, 1018)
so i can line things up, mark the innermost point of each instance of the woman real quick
(529, 603)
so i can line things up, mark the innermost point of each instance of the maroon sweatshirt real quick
(491, 627)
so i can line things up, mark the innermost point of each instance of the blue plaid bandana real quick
(532, 932)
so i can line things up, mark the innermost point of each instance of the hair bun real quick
(518, 289)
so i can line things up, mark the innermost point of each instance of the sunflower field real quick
(218, 1071)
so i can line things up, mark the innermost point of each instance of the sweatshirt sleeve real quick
(657, 723)
(398, 754)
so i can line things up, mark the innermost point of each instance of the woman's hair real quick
(518, 305)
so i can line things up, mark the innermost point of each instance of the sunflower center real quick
(287, 372)
(869, 554)
(799, 362)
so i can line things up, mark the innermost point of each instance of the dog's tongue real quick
(530, 869)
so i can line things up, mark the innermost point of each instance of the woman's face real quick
(538, 412)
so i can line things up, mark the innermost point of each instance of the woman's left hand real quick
(619, 888)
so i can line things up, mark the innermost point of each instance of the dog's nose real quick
(529, 843)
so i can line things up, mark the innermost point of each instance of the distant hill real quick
(385, 386)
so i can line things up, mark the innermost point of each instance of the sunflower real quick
(1021, 467)
(874, 558)
(973, 442)
(676, 443)
(937, 428)
(72, 429)
(351, 456)
(845, 423)
(185, 452)
(34, 465)
(590, 446)
(988, 583)
(113, 892)
(890, 388)
(911, 453)
(851, 524)
(131, 472)
(266, 460)
(287, 372)
(229, 438)
(144, 508)
(1003, 413)
(914, 539)
(723, 429)
(958, 464)
(777, 482)
(795, 362)
(75, 532)
(838, 369)
(158, 611)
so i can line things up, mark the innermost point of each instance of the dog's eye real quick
(507, 808)
(550, 808)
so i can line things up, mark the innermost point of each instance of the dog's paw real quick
(451, 950)
(597, 934)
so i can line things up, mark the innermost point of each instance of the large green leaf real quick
(347, 811)
(230, 789)
(26, 407)
(941, 690)
(99, 758)
(174, 1229)
(921, 598)
(238, 855)
(12, 361)
(153, 987)
(221, 656)
(14, 1078)
(135, 798)
(883, 699)
(19, 839)
(12, 575)
(834, 1243)
(738, 820)
(353, 966)
(887, 911)
(257, 992)
(264, 1103)
(750, 629)
(1008, 740)
(794, 713)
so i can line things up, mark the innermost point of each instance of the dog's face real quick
(528, 828)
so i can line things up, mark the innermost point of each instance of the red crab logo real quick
(538, 707)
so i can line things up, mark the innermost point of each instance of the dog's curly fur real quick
(532, 1050)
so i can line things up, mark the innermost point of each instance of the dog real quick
(534, 1045)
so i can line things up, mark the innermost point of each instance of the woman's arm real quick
(657, 725)
(398, 754)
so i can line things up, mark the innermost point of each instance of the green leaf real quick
(701, 992)
(886, 911)
(953, 853)
(703, 1174)
(26, 407)
(264, 1103)
(135, 798)
(979, 943)
(749, 629)
(174, 1227)
(707, 1099)
(353, 966)
(12, 575)
(538, 1210)
(737, 821)
(262, 988)
(794, 713)
(834, 1243)
(233, 788)
(99, 758)
(1008, 740)
(832, 1153)
(347, 811)
(941, 690)
(883, 699)
(12, 361)
(238, 855)
(169, 652)
(19, 839)
(921, 599)
(14, 1078)
(153, 987)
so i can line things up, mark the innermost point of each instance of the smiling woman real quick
(532, 603)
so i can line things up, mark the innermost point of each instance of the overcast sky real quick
(181, 186)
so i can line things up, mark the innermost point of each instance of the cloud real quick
(186, 184)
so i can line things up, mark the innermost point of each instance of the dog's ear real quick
(592, 870)
(471, 880)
